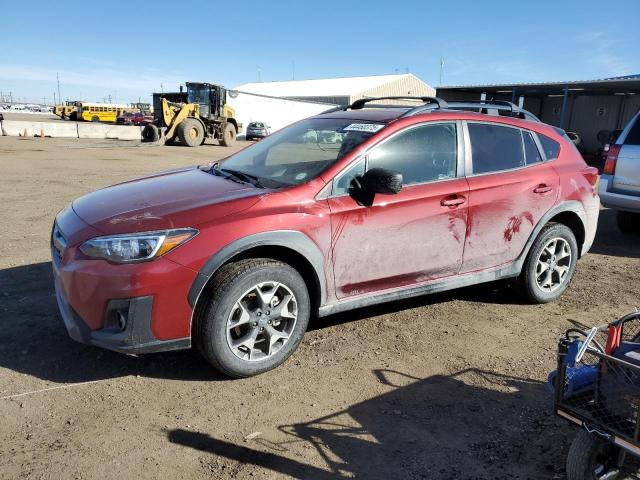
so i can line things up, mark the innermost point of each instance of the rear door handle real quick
(452, 201)
(542, 188)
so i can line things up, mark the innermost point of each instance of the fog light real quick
(122, 320)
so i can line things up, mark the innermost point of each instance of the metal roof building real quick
(341, 91)
(583, 106)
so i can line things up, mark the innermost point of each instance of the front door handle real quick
(542, 188)
(452, 201)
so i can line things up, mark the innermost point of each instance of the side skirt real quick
(434, 286)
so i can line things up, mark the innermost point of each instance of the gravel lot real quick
(440, 387)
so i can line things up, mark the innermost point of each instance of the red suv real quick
(353, 207)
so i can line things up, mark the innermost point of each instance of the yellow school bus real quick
(102, 112)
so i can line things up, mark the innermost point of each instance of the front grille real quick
(58, 242)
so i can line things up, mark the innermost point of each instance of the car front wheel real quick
(256, 318)
(550, 264)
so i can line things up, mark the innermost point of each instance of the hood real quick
(178, 198)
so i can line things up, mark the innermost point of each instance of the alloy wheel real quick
(553, 265)
(262, 321)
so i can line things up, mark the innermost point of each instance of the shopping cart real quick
(598, 388)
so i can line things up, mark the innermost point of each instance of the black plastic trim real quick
(292, 239)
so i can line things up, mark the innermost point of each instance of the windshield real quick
(198, 94)
(299, 153)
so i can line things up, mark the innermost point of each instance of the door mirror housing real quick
(380, 180)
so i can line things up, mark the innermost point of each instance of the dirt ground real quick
(448, 386)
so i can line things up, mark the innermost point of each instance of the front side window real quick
(495, 148)
(421, 154)
(342, 181)
(300, 152)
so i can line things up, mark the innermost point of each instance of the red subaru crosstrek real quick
(349, 208)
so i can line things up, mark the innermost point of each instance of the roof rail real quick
(358, 104)
(475, 105)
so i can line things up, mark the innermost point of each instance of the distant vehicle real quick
(620, 181)
(203, 113)
(134, 118)
(257, 130)
(144, 108)
(102, 112)
(68, 110)
(20, 108)
(235, 256)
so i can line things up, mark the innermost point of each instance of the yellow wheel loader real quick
(192, 118)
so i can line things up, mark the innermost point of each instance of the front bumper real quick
(129, 308)
(136, 337)
(617, 201)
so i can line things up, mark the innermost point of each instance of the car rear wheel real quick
(550, 265)
(628, 222)
(190, 132)
(95, 118)
(256, 318)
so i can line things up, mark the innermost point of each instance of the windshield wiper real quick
(214, 169)
(252, 179)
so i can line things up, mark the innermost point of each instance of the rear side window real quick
(551, 147)
(633, 138)
(530, 149)
(495, 148)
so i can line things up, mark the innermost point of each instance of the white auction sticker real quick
(363, 127)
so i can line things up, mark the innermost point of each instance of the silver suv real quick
(620, 181)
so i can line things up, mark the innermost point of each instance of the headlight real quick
(136, 247)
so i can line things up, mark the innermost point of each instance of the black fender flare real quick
(572, 206)
(291, 239)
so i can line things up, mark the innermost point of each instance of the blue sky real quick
(128, 49)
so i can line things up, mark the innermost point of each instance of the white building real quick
(342, 91)
(279, 104)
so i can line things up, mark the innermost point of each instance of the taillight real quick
(612, 159)
(591, 174)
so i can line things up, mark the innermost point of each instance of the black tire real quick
(73, 116)
(628, 222)
(248, 139)
(230, 283)
(95, 118)
(529, 278)
(150, 133)
(228, 135)
(190, 132)
(589, 453)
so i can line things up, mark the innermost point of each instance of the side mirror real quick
(380, 180)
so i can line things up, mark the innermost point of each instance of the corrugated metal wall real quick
(590, 114)
(336, 100)
(407, 85)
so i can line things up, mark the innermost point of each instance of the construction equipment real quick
(192, 118)
(68, 110)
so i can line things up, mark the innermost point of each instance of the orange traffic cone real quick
(24, 134)
(41, 133)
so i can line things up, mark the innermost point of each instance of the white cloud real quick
(94, 77)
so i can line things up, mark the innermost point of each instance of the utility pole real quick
(441, 68)
(109, 98)
(54, 98)
(58, 81)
